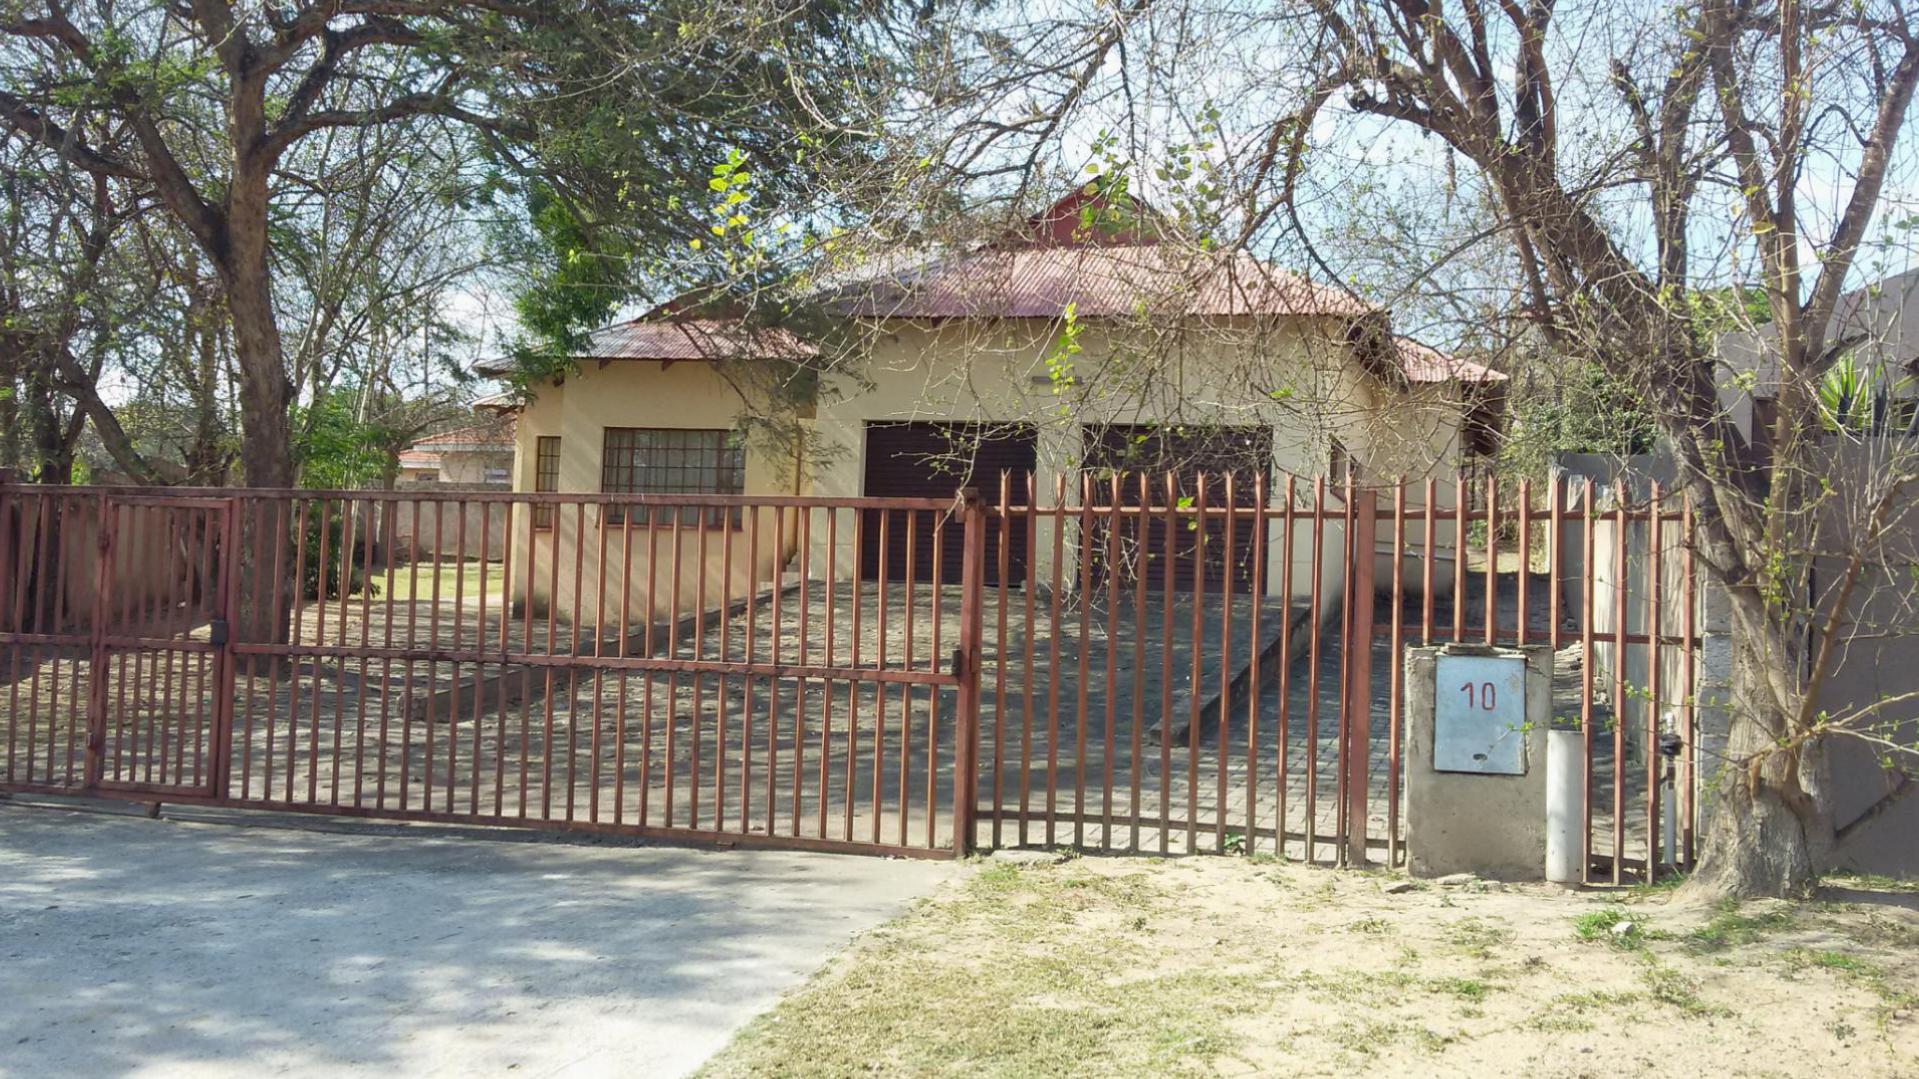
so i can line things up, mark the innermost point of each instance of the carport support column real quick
(966, 667)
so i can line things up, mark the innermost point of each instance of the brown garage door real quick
(933, 460)
(1245, 453)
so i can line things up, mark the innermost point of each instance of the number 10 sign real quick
(1479, 715)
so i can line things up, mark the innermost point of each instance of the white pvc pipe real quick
(1565, 806)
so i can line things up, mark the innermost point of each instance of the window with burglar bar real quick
(670, 461)
(546, 476)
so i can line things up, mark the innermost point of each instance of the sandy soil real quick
(1215, 966)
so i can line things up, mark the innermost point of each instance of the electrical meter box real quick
(1479, 714)
(1476, 720)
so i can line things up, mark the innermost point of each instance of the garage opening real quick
(1187, 452)
(922, 459)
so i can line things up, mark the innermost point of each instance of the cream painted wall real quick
(636, 394)
(1296, 377)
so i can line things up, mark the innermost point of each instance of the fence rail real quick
(1119, 662)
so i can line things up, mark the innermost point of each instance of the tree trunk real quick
(1769, 831)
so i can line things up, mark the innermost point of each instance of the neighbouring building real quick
(477, 455)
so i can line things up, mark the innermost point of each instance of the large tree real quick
(604, 101)
(1638, 165)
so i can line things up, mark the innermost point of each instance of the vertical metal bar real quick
(1312, 669)
(1112, 659)
(1223, 749)
(319, 638)
(599, 673)
(573, 646)
(831, 596)
(389, 514)
(1282, 780)
(803, 529)
(648, 646)
(1256, 642)
(938, 583)
(1052, 691)
(1587, 619)
(558, 520)
(909, 608)
(625, 632)
(1030, 631)
(698, 711)
(1620, 611)
(1170, 533)
(526, 646)
(1358, 748)
(227, 601)
(1085, 598)
(1525, 555)
(1004, 523)
(1459, 558)
(853, 686)
(727, 522)
(966, 712)
(1655, 585)
(98, 663)
(673, 649)
(1555, 540)
(1492, 559)
(1395, 665)
(1431, 550)
(879, 688)
(1197, 647)
(1142, 544)
(772, 685)
(1688, 686)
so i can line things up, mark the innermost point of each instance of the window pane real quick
(651, 460)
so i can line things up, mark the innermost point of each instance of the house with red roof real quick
(1087, 343)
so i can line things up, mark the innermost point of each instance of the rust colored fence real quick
(1164, 666)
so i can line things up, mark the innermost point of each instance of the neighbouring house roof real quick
(494, 437)
(670, 339)
(1424, 363)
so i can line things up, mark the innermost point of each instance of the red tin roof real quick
(1424, 363)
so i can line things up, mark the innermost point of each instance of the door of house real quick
(1200, 551)
(933, 460)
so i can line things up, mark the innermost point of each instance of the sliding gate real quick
(1165, 664)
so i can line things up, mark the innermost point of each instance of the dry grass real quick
(1209, 966)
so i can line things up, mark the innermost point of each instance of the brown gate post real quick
(226, 601)
(1356, 700)
(98, 672)
(966, 666)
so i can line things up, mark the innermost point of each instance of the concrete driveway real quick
(160, 948)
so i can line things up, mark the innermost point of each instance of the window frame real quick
(717, 468)
(545, 480)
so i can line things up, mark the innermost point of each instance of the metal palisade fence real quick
(1111, 661)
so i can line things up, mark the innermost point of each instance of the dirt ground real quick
(1232, 966)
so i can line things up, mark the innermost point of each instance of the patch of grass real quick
(1602, 926)
(1374, 926)
(1732, 927)
(1869, 882)
(1477, 937)
(1350, 985)
(1662, 887)
(1473, 989)
(924, 996)
(1367, 1037)
(1672, 987)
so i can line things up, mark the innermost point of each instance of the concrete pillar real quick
(1462, 820)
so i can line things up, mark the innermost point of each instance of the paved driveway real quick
(153, 947)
